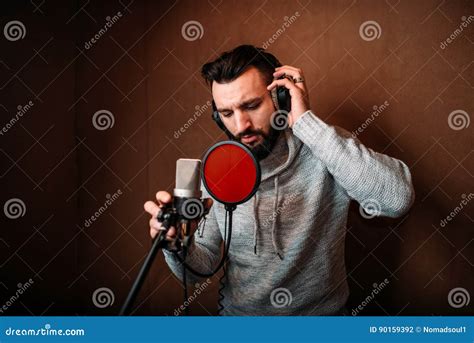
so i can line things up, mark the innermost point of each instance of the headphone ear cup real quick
(284, 99)
(217, 118)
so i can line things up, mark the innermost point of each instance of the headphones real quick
(281, 99)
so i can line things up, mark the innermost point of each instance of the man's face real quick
(246, 107)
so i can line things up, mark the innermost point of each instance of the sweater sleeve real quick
(382, 185)
(204, 252)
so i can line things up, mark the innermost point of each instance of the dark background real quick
(146, 74)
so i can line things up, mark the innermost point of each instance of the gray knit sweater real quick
(287, 251)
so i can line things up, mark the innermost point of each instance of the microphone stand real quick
(158, 244)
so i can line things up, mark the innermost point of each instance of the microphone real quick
(231, 175)
(187, 203)
(187, 206)
(188, 178)
(187, 192)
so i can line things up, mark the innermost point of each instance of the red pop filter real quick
(230, 173)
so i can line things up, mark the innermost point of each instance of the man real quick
(287, 251)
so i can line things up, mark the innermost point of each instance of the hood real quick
(282, 156)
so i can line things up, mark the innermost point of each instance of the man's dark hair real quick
(231, 64)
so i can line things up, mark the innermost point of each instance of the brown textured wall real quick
(146, 75)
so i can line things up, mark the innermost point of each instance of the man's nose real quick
(242, 121)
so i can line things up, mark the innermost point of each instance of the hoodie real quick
(286, 255)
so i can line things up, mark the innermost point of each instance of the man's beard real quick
(263, 149)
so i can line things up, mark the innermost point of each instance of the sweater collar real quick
(282, 155)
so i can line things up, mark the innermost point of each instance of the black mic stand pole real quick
(158, 243)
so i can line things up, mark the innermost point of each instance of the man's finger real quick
(171, 234)
(163, 198)
(155, 224)
(293, 73)
(285, 83)
(151, 208)
(287, 67)
(283, 72)
(208, 203)
(153, 233)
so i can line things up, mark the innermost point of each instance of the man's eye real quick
(253, 106)
(226, 114)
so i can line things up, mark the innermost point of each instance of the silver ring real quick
(298, 79)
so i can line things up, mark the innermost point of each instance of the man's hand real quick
(153, 208)
(297, 88)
